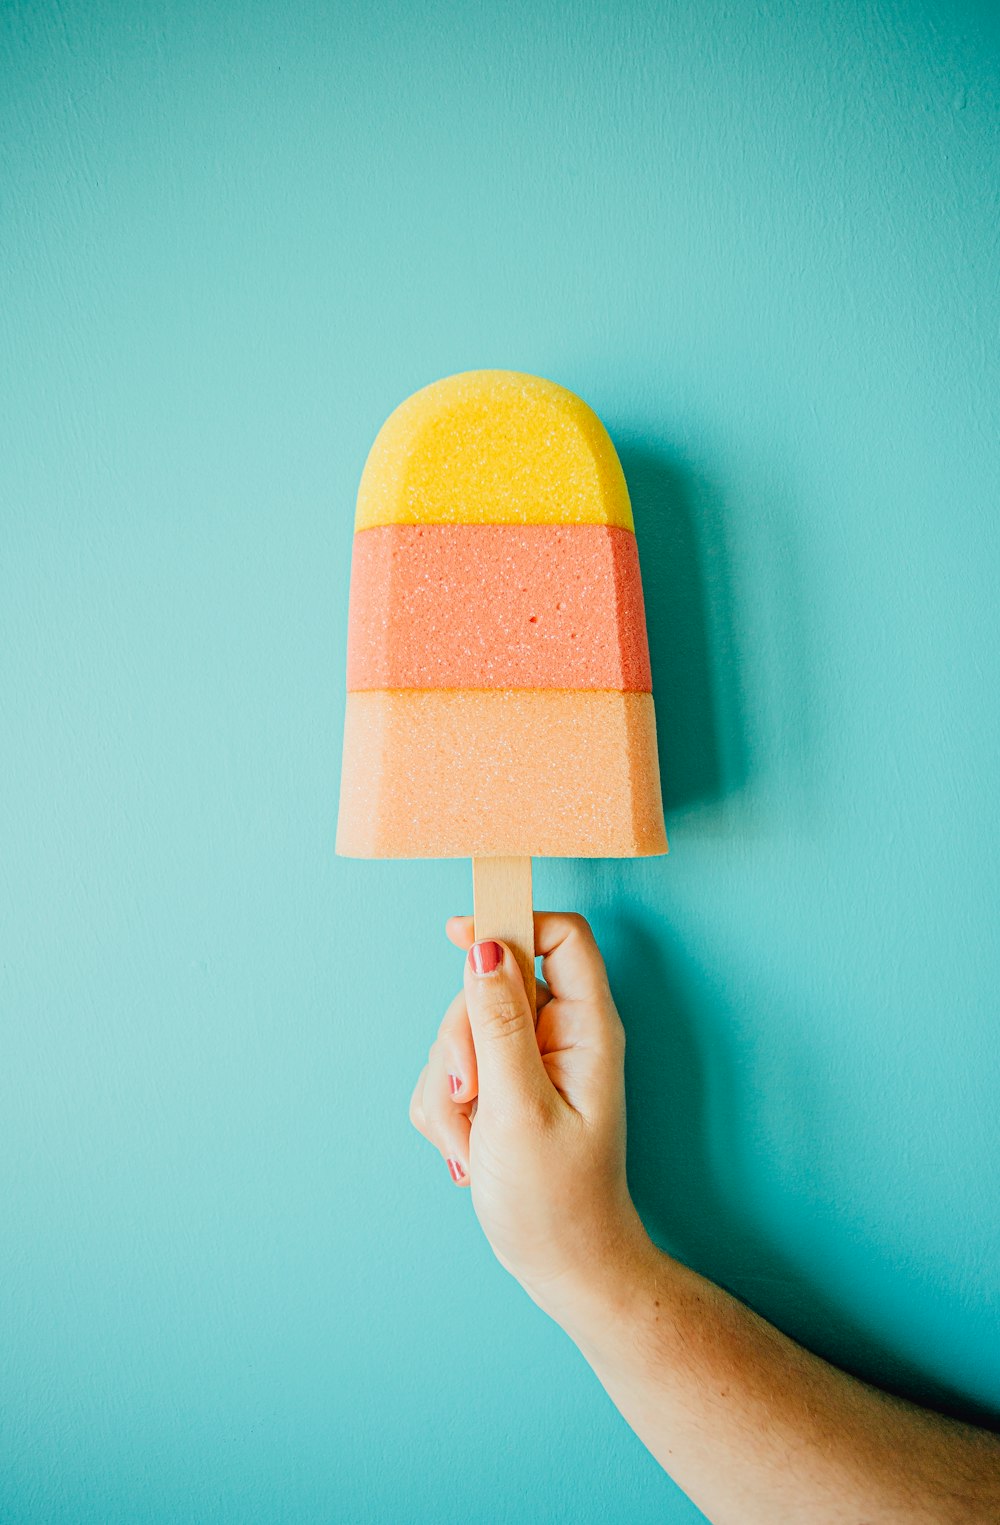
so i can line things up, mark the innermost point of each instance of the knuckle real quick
(579, 925)
(431, 1111)
(609, 1049)
(503, 1017)
(455, 1015)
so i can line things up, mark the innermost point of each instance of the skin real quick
(756, 1430)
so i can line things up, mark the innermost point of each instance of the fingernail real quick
(454, 1084)
(485, 958)
(457, 1173)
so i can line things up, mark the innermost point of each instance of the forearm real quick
(754, 1428)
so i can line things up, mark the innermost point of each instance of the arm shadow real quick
(690, 1109)
(691, 1130)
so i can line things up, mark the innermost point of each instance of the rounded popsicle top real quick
(493, 447)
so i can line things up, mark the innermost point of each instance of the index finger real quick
(571, 960)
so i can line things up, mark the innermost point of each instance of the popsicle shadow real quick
(685, 577)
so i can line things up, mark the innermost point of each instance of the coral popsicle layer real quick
(497, 606)
(499, 685)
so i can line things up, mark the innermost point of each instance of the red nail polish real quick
(457, 1173)
(454, 1084)
(485, 957)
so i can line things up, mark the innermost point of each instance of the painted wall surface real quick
(761, 240)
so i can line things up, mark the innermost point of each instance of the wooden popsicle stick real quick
(501, 906)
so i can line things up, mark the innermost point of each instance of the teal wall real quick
(761, 241)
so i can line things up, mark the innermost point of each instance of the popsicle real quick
(499, 700)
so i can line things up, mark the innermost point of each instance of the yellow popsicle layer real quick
(493, 447)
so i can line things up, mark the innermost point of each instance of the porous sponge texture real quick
(497, 606)
(498, 670)
(438, 773)
(493, 447)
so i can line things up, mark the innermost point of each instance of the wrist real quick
(605, 1288)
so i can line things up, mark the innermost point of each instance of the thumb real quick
(503, 1032)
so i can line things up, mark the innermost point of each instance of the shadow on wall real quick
(687, 1130)
(685, 577)
(687, 1122)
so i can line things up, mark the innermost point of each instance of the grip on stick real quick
(501, 904)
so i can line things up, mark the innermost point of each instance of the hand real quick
(533, 1120)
